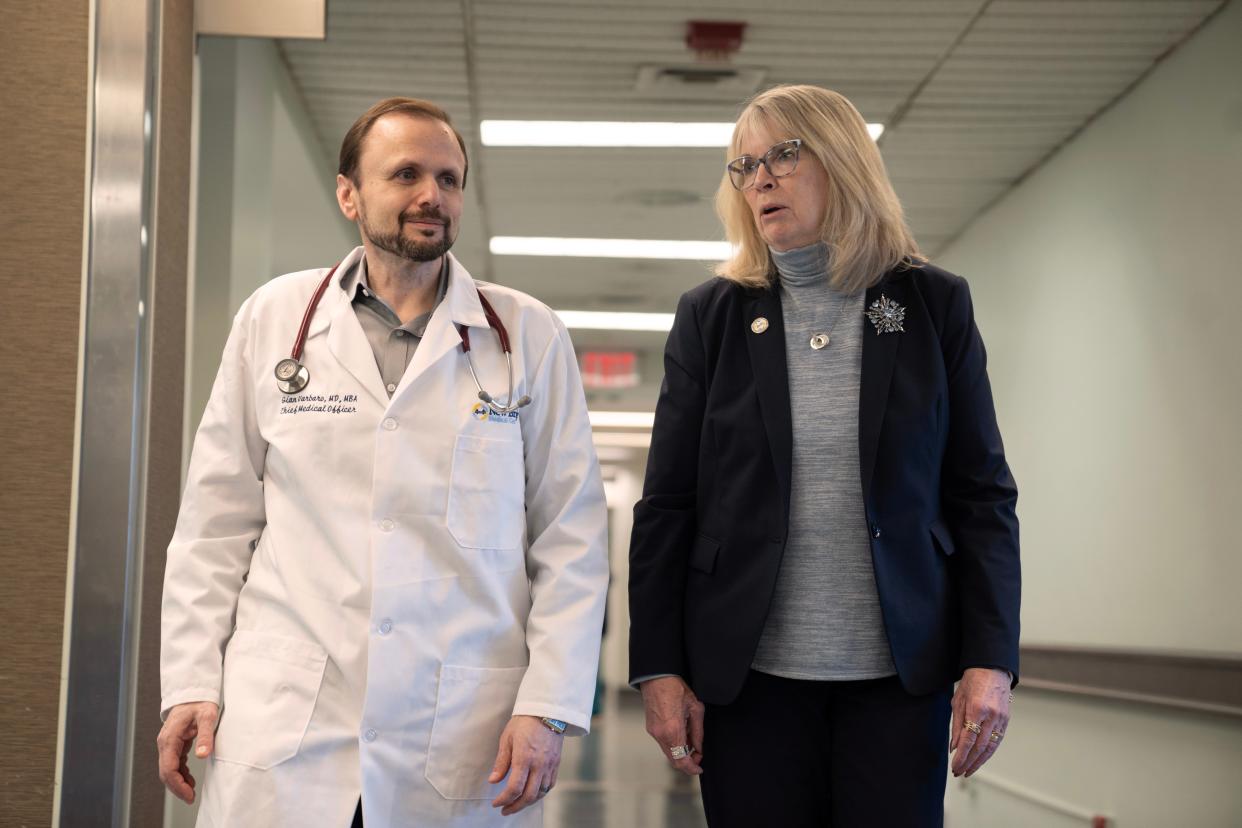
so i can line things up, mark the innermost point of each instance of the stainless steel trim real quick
(103, 631)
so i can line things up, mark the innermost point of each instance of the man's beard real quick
(416, 250)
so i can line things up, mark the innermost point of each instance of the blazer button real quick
(875, 530)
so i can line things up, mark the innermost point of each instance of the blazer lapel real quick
(767, 359)
(878, 359)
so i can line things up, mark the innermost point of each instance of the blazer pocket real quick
(703, 555)
(942, 537)
(473, 705)
(270, 687)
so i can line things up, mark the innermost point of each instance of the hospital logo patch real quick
(483, 413)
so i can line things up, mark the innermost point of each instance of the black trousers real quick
(357, 823)
(826, 753)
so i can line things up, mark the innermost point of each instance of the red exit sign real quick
(609, 369)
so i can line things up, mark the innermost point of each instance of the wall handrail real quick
(1045, 801)
(1189, 681)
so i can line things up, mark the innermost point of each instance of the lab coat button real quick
(390, 424)
(369, 735)
(387, 525)
(385, 627)
(392, 386)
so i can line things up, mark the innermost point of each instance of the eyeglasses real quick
(781, 160)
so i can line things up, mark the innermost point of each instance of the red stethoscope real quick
(292, 376)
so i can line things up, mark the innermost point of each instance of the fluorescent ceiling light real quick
(613, 134)
(706, 251)
(616, 321)
(622, 419)
(626, 439)
(604, 134)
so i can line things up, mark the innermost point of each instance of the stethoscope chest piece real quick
(291, 376)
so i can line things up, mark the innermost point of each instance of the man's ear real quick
(346, 196)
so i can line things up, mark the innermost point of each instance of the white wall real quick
(1108, 292)
(623, 491)
(266, 193)
(1142, 767)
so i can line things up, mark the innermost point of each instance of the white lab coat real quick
(371, 587)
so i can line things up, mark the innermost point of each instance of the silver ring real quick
(679, 751)
(543, 790)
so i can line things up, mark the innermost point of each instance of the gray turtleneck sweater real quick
(825, 621)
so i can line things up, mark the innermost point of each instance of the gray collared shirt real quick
(392, 342)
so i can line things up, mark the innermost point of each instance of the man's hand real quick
(530, 753)
(184, 723)
(981, 700)
(675, 719)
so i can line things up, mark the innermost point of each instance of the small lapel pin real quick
(759, 325)
(887, 315)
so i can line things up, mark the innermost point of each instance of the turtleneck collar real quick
(803, 265)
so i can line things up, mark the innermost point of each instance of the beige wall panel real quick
(43, 60)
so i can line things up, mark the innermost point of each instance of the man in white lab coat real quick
(384, 596)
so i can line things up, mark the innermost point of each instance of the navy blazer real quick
(939, 500)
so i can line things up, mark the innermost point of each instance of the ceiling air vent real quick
(690, 81)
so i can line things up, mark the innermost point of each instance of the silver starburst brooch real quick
(886, 315)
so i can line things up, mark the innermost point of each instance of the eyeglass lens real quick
(781, 160)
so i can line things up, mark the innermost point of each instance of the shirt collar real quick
(460, 305)
(356, 286)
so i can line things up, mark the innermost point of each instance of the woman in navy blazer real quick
(935, 504)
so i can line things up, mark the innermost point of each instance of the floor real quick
(616, 777)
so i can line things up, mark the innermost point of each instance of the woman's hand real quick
(981, 701)
(675, 719)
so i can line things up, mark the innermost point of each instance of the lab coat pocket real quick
(270, 687)
(473, 705)
(487, 493)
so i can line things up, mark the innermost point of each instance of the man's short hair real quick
(351, 147)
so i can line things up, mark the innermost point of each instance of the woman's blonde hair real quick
(864, 226)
